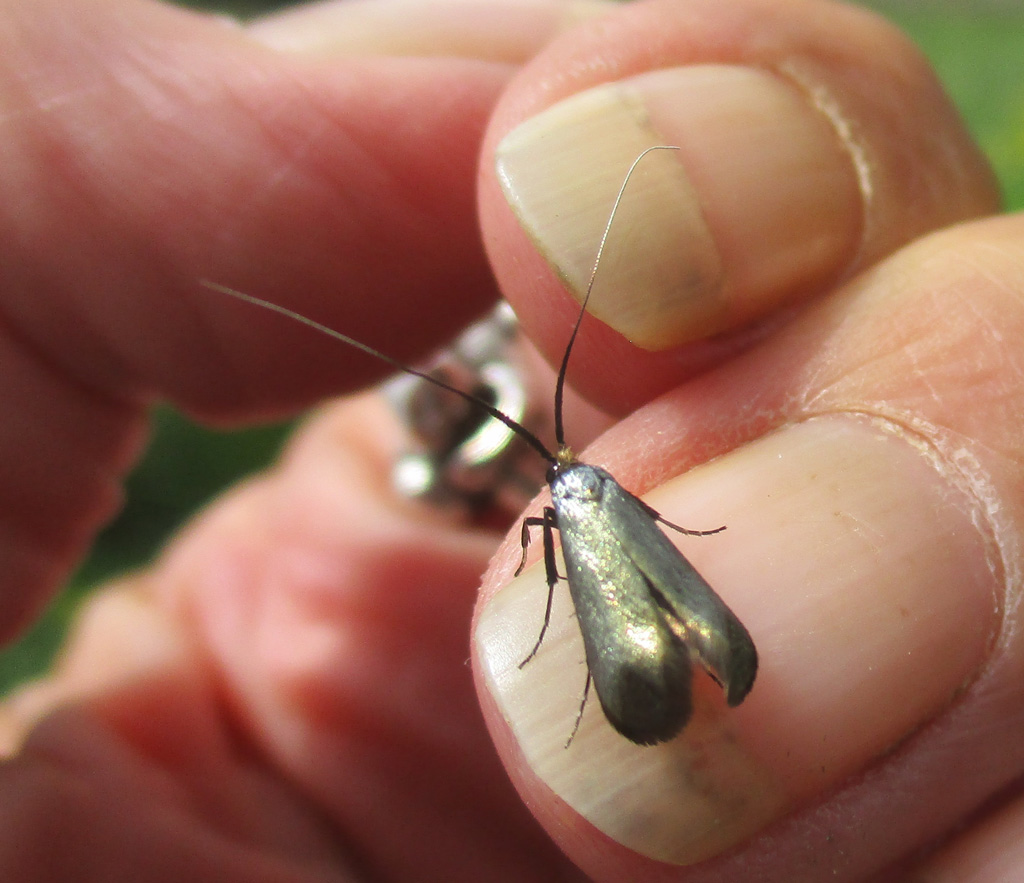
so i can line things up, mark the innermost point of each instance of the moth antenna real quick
(517, 428)
(560, 384)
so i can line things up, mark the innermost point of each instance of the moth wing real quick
(719, 641)
(640, 667)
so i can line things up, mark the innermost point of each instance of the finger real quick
(343, 186)
(127, 758)
(866, 463)
(324, 627)
(223, 159)
(813, 140)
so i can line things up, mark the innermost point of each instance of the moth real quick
(645, 613)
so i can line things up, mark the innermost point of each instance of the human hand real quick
(284, 694)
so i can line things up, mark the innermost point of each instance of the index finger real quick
(146, 148)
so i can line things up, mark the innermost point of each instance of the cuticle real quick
(824, 100)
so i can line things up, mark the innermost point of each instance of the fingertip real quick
(803, 156)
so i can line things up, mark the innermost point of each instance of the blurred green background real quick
(978, 50)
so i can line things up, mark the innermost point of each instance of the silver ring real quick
(459, 456)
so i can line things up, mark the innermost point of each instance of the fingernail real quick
(495, 30)
(866, 586)
(759, 204)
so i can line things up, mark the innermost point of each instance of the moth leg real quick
(532, 521)
(547, 525)
(583, 705)
(656, 515)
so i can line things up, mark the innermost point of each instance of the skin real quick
(284, 695)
